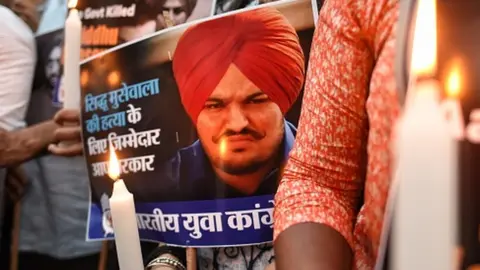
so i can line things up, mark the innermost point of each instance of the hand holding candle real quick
(124, 219)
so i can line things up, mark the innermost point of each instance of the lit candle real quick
(424, 227)
(127, 240)
(451, 104)
(73, 33)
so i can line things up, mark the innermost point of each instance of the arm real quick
(19, 146)
(17, 64)
(318, 197)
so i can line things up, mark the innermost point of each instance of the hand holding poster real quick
(202, 117)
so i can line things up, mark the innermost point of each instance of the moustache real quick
(244, 132)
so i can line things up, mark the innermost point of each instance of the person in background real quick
(329, 213)
(17, 66)
(55, 206)
(18, 143)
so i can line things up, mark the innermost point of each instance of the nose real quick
(171, 14)
(237, 119)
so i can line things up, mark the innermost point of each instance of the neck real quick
(246, 183)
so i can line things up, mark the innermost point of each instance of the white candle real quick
(71, 72)
(424, 224)
(124, 220)
(127, 240)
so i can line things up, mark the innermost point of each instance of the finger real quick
(67, 115)
(18, 173)
(14, 189)
(68, 134)
(22, 176)
(16, 182)
(17, 177)
(270, 266)
(14, 197)
(66, 150)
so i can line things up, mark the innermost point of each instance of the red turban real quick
(261, 43)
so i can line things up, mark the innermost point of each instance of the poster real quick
(202, 117)
(109, 23)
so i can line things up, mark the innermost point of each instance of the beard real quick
(243, 168)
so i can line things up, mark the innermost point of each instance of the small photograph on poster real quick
(224, 6)
(202, 118)
(49, 69)
(109, 23)
(166, 13)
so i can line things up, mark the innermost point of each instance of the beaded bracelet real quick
(162, 249)
(166, 261)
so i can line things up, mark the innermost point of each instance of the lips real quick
(239, 138)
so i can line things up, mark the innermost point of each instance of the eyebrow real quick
(254, 95)
(249, 97)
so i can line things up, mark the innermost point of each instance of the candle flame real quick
(72, 3)
(113, 165)
(222, 147)
(424, 50)
(453, 82)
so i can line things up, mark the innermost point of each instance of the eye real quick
(258, 100)
(177, 11)
(212, 106)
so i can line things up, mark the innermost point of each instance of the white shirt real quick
(17, 67)
(55, 207)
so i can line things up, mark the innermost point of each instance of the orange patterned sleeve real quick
(323, 181)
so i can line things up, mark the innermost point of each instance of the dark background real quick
(458, 26)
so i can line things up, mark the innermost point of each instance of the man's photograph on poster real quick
(202, 119)
(224, 6)
(49, 69)
(161, 14)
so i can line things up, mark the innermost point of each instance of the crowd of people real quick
(330, 203)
